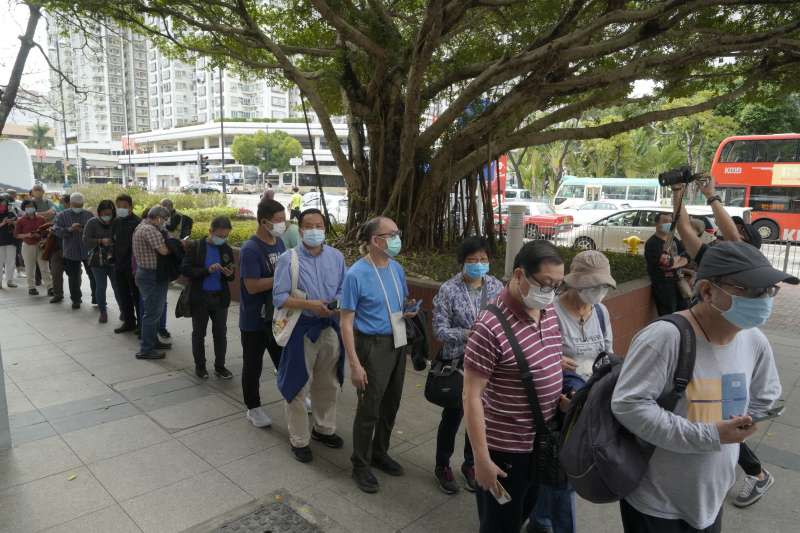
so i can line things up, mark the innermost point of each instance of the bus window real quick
(776, 199)
(732, 196)
(571, 191)
(642, 193)
(614, 192)
(737, 152)
(766, 151)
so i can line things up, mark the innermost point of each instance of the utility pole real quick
(126, 174)
(222, 134)
(63, 108)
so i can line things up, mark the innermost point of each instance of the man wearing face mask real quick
(69, 226)
(257, 260)
(27, 229)
(734, 380)
(312, 362)
(126, 293)
(499, 417)
(663, 265)
(178, 225)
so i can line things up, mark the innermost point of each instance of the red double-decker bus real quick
(762, 172)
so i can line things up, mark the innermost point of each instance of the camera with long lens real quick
(676, 176)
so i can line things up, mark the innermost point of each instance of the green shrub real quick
(242, 230)
(208, 214)
(143, 199)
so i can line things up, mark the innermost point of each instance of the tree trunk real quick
(12, 87)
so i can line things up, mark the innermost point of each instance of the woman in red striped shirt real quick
(499, 419)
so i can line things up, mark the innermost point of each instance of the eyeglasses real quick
(397, 233)
(558, 288)
(748, 292)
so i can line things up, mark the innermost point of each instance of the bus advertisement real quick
(762, 172)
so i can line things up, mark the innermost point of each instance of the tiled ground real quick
(103, 442)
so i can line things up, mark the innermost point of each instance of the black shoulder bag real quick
(546, 443)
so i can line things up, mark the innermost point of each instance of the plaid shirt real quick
(146, 240)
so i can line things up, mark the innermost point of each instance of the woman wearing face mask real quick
(499, 418)
(98, 240)
(208, 263)
(27, 229)
(586, 333)
(455, 308)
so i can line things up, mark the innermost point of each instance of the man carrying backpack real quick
(734, 379)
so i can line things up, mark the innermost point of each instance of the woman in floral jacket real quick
(455, 308)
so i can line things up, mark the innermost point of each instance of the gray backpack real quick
(605, 462)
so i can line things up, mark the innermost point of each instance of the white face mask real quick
(536, 299)
(278, 229)
(593, 295)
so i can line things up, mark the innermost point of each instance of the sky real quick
(13, 19)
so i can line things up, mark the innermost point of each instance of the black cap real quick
(743, 265)
(753, 237)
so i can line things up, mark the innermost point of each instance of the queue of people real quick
(525, 348)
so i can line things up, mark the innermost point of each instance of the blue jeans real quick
(101, 276)
(154, 297)
(555, 508)
(162, 324)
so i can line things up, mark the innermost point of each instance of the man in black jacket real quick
(126, 293)
(179, 226)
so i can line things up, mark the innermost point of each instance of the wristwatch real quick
(713, 199)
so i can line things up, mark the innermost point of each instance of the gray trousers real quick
(378, 404)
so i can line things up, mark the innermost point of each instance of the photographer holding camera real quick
(664, 256)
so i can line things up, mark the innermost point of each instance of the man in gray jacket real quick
(734, 380)
(69, 226)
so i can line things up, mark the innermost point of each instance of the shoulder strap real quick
(686, 356)
(294, 269)
(524, 370)
(482, 305)
(602, 318)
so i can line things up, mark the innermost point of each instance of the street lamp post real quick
(63, 108)
(222, 134)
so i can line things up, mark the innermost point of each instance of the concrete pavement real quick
(104, 442)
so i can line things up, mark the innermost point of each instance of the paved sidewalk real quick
(104, 442)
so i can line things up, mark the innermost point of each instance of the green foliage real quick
(207, 214)
(143, 199)
(266, 150)
(40, 137)
(242, 230)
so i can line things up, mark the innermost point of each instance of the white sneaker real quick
(307, 401)
(259, 418)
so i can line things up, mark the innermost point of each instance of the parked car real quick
(593, 211)
(202, 188)
(608, 232)
(517, 195)
(540, 220)
(337, 205)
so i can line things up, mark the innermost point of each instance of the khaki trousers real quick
(32, 255)
(323, 387)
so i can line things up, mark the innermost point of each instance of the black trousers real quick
(635, 522)
(446, 437)
(213, 308)
(127, 296)
(748, 460)
(253, 345)
(294, 214)
(667, 297)
(520, 485)
(74, 276)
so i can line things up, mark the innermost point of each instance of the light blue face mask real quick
(664, 227)
(476, 270)
(393, 245)
(122, 212)
(106, 218)
(313, 237)
(747, 313)
(218, 241)
(77, 209)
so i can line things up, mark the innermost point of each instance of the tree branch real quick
(9, 96)
(350, 32)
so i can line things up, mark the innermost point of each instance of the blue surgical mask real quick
(393, 245)
(106, 218)
(122, 212)
(77, 210)
(476, 270)
(664, 227)
(30, 211)
(313, 237)
(747, 313)
(218, 241)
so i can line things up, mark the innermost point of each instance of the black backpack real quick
(604, 461)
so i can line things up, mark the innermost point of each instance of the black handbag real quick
(545, 465)
(445, 382)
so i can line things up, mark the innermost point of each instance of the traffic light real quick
(202, 163)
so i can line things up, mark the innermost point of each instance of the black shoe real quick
(303, 454)
(388, 465)
(222, 373)
(33, 292)
(50, 292)
(12, 285)
(533, 528)
(76, 305)
(444, 475)
(125, 328)
(94, 300)
(163, 345)
(56, 299)
(201, 372)
(365, 480)
(331, 441)
(150, 355)
(468, 472)
(164, 333)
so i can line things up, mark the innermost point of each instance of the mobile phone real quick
(775, 412)
(412, 307)
(503, 497)
(333, 306)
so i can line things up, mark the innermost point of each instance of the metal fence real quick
(783, 255)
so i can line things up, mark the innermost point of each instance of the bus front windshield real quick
(571, 191)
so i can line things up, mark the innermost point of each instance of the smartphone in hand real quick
(413, 306)
(775, 412)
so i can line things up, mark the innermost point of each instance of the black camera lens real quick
(675, 176)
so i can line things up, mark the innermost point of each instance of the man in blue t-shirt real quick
(373, 331)
(257, 260)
